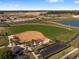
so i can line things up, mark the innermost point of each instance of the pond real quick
(72, 23)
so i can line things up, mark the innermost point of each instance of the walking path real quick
(69, 53)
(63, 25)
(33, 53)
(74, 38)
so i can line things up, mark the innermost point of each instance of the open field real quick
(47, 30)
(50, 32)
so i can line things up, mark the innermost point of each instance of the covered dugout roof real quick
(52, 48)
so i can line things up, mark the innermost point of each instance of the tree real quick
(6, 53)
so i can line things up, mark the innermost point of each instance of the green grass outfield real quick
(49, 31)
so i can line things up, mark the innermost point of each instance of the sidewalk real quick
(69, 53)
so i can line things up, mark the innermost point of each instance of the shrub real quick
(6, 53)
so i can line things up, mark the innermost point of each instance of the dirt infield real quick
(29, 35)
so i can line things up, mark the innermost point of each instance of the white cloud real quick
(54, 1)
(76, 1)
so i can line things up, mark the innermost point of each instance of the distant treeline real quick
(48, 11)
(62, 12)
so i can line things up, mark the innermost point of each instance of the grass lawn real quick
(48, 31)
(3, 41)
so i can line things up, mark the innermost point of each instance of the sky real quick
(39, 4)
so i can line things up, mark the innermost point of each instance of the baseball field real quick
(50, 32)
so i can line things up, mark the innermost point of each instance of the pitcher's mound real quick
(29, 35)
